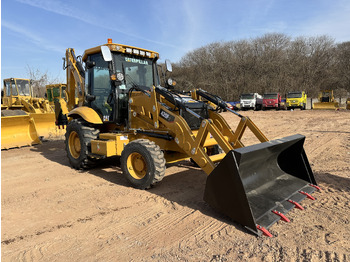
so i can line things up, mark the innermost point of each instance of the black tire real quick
(78, 144)
(143, 163)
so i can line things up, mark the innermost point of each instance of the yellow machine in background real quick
(348, 103)
(55, 92)
(326, 101)
(24, 118)
(121, 109)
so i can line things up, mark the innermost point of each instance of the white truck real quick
(251, 101)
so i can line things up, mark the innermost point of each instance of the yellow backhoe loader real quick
(24, 118)
(120, 109)
(326, 101)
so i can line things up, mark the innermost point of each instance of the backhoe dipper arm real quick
(75, 79)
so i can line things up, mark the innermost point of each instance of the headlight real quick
(120, 76)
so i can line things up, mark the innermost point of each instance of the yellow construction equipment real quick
(326, 101)
(54, 92)
(348, 103)
(24, 118)
(120, 109)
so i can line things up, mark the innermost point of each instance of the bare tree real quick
(40, 80)
(270, 63)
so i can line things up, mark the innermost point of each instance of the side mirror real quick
(106, 53)
(169, 68)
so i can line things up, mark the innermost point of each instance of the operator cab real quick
(17, 87)
(111, 74)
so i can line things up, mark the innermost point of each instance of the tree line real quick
(271, 63)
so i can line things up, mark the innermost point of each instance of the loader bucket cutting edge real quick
(252, 183)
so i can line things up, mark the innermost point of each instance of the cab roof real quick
(114, 47)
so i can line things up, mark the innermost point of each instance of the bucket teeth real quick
(264, 231)
(307, 195)
(296, 204)
(317, 187)
(283, 217)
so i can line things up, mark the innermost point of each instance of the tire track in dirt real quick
(67, 224)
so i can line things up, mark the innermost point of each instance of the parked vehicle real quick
(251, 101)
(296, 99)
(271, 100)
(326, 101)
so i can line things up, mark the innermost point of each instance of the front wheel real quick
(143, 163)
(78, 138)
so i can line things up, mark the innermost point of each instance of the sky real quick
(36, 33)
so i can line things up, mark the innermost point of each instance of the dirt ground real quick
(51, 212)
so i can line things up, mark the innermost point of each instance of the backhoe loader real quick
(326, 101)
(24, 118)
(117, 107)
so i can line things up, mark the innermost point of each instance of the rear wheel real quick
(78, 144)
(143, 163)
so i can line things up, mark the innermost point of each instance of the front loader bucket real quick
(326, 105)
(17, 131)
(252, 182)
(45, 125)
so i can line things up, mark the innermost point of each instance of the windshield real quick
(270, 96)
(294, 95)
(137, 70)
(247, 96)
(23, 87)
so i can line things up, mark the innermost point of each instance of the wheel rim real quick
(137, 166)
(74, 144)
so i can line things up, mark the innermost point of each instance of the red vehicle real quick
(271, 100)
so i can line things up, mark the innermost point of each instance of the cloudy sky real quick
(35, 33)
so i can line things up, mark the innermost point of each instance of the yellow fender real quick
(87, 113)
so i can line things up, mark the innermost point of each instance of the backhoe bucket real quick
(326, 105)
(253, 182)
(45, 125)
(17, 131)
